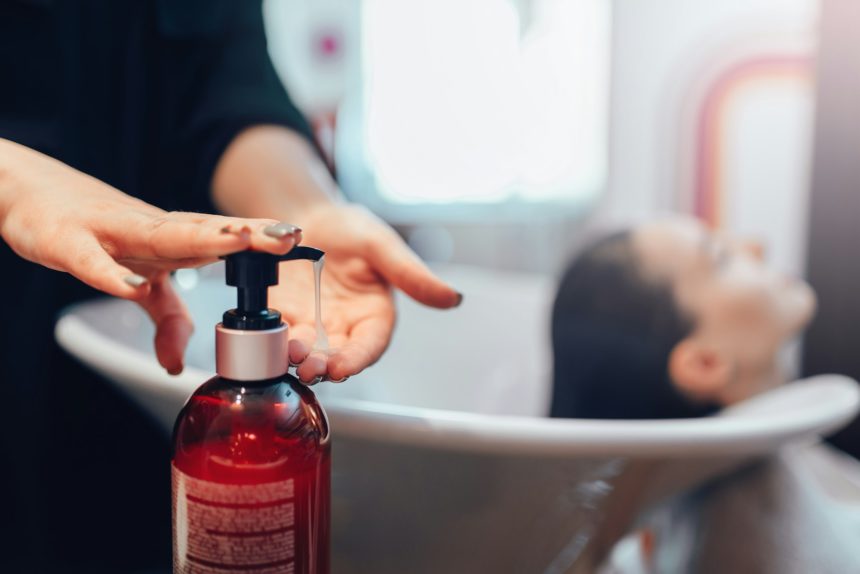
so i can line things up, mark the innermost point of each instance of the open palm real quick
(364, 259)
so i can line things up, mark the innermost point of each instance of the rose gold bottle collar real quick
(251, 355)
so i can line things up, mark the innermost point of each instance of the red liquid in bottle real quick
(251, 480)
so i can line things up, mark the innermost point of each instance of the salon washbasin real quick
(443, 458)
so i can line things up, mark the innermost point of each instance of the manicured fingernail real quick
(314, 381)
(135, 280)
(282, 229)
(339, 380)
(459, 299)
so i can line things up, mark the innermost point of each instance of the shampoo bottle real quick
(251, 463)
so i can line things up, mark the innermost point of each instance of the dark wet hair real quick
(612, 332)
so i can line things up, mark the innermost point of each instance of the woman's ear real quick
(699, 369)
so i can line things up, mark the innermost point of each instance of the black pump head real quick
(253, 272)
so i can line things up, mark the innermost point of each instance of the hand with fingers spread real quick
(63, 219)
(364, 260)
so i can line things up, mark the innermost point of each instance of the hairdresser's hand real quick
(364, 259)
(63, 219)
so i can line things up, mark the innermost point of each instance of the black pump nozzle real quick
(253, 272)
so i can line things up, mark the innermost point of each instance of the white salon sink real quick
(447, 433)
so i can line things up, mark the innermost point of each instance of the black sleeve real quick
(220, 80)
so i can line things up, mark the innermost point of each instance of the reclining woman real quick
(670, 320)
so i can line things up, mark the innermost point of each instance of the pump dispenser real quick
(251, 452)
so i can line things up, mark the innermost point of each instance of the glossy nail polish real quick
(135, 280)
(280, 230)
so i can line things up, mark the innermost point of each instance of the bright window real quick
(477, 102)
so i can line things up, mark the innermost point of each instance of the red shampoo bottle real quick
(251, 462)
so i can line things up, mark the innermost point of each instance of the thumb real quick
(401, 267)
(173, 326)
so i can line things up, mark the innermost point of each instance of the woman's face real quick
(736, 301)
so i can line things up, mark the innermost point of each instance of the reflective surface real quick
(272, 435)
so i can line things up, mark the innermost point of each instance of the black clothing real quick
(145, 95)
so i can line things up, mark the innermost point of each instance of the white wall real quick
(665, 56)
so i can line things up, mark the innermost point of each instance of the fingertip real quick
(281, 229)
(171, 339)
(120, 282)
(135, 280)
(441, 297)
(337, 367)
(349, 361)
(298, 351)
(273, 246)
(449, 299)
(312, 367)
(338, 374)
(170, 363)
(278, 238)
(281, 246)
(458, 300)
(135, 293)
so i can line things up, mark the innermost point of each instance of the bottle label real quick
(219, 528)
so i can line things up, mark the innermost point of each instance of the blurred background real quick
(498, 137)
(499, 133)
(525, 119)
